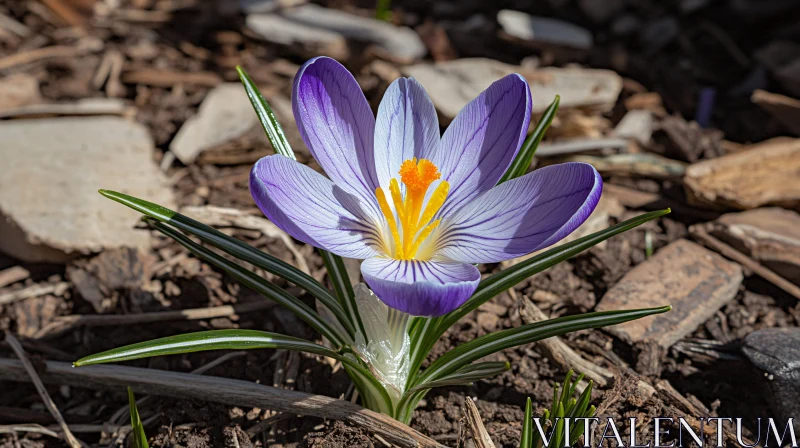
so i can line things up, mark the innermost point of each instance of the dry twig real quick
(225, 391)
(12, 275)
(33, 291)
(37, 382)
(479, 434)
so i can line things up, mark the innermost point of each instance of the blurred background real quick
(688, 104)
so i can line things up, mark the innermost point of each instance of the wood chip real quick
(168, 78)
(783, 108)
(762, 174)
(694, 280)
(12, 275)
(33, 291)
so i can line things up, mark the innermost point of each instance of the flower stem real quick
(398, 325)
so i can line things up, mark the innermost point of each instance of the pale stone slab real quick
(452, 84)
(52, 168)
(225, 114)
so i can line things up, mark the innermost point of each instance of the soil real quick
(200, 38)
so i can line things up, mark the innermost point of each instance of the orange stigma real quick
(412, 225)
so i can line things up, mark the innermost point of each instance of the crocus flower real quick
(420, 209)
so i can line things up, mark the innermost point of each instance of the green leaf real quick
(270, 124)
(235, 248)
(526, 438)
(382, 11)
(466, 375)
(205, 341)
(138, 435)
(428, 333)
(523, 160)
(254, 282)
(501, 340)
(344, 290)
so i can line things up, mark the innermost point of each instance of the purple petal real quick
(522, 215)
(421, 288)
(337, 125)
(480, 144)
(407, 127)
(309, 207)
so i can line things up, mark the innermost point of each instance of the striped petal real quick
(479, 145)
(311, 208)
(522, 215)
(421, 288)
(337, 125)
(407, 127)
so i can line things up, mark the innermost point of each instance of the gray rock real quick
(52, 168)
(226, 113)
(543, 30)
(453, 84)
(694, 280)
(776, 353)
(401, 44)
(307, 40)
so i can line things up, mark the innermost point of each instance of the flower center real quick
(413, 223)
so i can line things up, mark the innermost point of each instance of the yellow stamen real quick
(417, 176)
(387, 212)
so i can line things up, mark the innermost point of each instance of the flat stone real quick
(401, 44)
(537, 31)
(694, 280)
(769, 235)
(761, 174)
(225, 114)
(775, 352)
(304, 39)
(452, 84)
(52, 168)
(18, 90)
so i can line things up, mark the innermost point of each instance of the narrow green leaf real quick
(235, 248)
(526, 438)
(205, 341)
(523, 160)
(501, 340)
(344, 290)
(466, 375)
(243, 340)
(254, 282)
(382, 11)
(558, 431)
(270, 124)
(137, 433)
